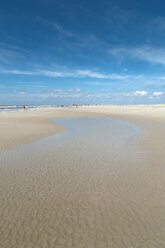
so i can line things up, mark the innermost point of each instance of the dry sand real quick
(51, 196)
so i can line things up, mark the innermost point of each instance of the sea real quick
(21, 107)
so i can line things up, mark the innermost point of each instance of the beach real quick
(91, 176)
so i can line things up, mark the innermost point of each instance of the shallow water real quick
(80, 188)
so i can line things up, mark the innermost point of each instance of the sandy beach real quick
(92, 177)
(20, 127)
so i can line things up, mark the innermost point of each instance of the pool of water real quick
(100, 140)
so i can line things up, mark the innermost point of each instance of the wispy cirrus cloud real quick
(57, 26)
(72, 74)
(157, 25)
(19, 72)
(13, 55)
(92, 74)
(145, 53)
(7, 56)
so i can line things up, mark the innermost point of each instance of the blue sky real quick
(96, 52)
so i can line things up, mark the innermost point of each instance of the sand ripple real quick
(79, 196)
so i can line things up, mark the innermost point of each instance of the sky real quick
(55, 52)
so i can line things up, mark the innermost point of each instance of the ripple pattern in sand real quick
(84, 191)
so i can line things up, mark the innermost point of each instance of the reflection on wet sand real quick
(90, 186)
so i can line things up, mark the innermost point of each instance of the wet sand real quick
(100, 183)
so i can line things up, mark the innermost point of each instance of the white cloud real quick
(52, 73)
(158, 93)
(71, 93)
(50, 92)
(92, 74)
(18, 92)
(161, 78)
(136, 93)
(145, 53)
(72, 74)
(140, 93)
(18, 72)
(74, 90)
